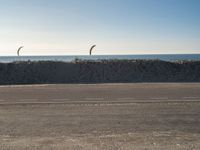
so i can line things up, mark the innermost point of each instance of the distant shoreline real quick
(102, 71)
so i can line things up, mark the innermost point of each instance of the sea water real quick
(167, 57)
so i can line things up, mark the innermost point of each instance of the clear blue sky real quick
(67, 27)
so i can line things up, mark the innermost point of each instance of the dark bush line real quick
(101, 71)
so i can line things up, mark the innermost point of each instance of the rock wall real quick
(102, 71)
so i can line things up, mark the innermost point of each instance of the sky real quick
(71, 27)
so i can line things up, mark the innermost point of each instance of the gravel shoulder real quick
(100, 116)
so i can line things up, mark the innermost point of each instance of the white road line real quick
(159, 98)
(72, 103)
(90, 98)
(126, 98)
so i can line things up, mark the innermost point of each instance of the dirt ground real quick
(100, 116)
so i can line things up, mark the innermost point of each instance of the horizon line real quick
(104, 54)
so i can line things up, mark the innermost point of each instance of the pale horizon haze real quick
(71, 27)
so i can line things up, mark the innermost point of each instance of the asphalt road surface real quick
(100, 116)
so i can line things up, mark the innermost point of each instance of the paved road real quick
(103, 116)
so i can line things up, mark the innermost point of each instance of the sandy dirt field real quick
(102, 116)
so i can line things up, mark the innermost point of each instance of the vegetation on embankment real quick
(102, 71)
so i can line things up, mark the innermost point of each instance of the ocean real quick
(164, 57)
